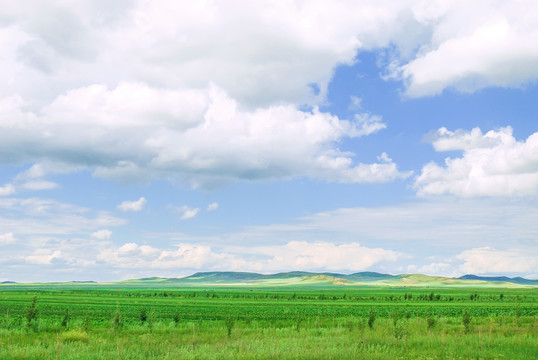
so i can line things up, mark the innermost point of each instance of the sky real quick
(142, 138)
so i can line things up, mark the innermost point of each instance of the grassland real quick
(318, 320)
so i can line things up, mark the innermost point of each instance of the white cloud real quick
(199, 136)
(7, 238)
(329, 256)
(43, 256)
(35, 216)
(212, 207)
(39, 185)
(133, 205)
(102, 234)
(488, 260)
(493, 164)
(187, 212)
(495, 46)
(211, 94)
(297, 255)
(7, 189)
(436, 268)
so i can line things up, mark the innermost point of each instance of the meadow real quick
(129, 322)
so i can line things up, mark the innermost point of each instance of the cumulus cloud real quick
(494, 47)
(488, 260)
(133, 205)
(7, 238)
(212, 207)
(293, 255)
(187, 212)
(43, 256)
(493, 164)
(329, 256)
(199, 136)
(7, 189)
(102, 234)
(212, 93)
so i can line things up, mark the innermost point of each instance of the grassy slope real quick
(295, 279)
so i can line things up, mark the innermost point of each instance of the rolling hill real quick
(307, 279)
(303, 278)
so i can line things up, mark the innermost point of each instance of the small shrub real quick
(117, 321)
(31, 315)
(86, 323)
(371, 319)
(151, 320)
(229, 326)
(466, 320)
(395, 316)
(176, 318)
(65, 319)
(143, 315)
(399, 332)
(431, 322)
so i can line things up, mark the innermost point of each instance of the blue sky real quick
(160, 139)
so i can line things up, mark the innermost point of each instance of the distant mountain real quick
(514, 280)
(326, 278)
(317, 280)
(231, 277)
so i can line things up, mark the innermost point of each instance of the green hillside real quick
(303, 279)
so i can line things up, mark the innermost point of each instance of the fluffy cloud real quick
(293, 255)
(7, 238)
(102, 234)
(187, 212)
(495, 46)
(135, 132)
(43, 256)
(209, 93)
(488, 260)
(7, 189)
(329, 256)
(212, 207)
(493, 164)
(133, 205)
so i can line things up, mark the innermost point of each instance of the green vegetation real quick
(308, 322)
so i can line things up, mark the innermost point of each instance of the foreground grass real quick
(295, 325)
(350, 339)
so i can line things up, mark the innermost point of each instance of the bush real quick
(117, 321)
(431, 322)
(371, 319)
(31, 315)
(466, 320)
(143, 315)
(65, 320)
(229, 326)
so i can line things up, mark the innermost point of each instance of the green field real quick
(81, 321)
